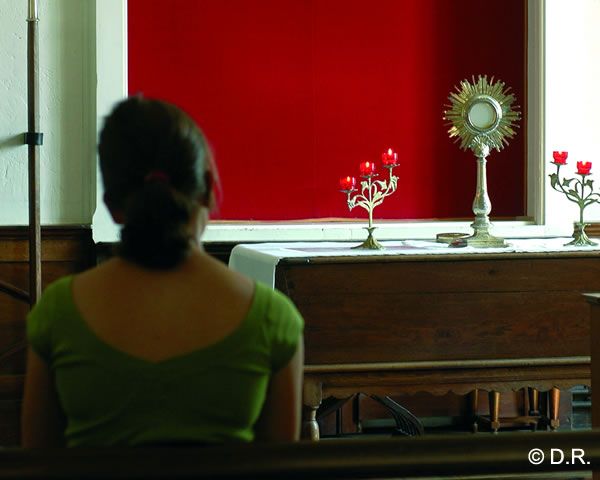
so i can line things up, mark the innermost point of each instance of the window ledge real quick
(386, 230)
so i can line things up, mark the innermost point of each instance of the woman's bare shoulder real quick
(226, 278)
(199, 271)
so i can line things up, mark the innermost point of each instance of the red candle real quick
(347, 183)
(367, 168)
(583, 168)
(389, 158)
(560, 158)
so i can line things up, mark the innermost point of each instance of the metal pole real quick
(33, 138)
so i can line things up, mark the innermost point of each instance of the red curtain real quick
(294, 94)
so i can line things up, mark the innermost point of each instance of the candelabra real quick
(372, 192)
(579, 191)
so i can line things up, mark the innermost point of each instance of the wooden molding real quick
(59, 244)
(593, 229)
(219, 250)
(65, 250)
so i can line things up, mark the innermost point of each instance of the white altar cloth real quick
(259, 261)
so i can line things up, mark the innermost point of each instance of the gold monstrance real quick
(482, 117)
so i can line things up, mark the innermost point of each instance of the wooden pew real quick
(65, 250)
(594, 301)
(439, 456)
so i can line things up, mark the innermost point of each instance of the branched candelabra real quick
(372, 192)
(578, 190)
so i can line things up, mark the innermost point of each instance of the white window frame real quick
(111, 53)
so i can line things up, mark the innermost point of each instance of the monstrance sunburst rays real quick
(494, 94)
(482, 117)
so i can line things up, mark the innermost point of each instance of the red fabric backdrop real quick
(293, 94)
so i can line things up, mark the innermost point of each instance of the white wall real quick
(572, 98)
(111, 54)
(67, 111)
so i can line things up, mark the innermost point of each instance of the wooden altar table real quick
(422, 316)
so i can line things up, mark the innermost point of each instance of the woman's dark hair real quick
(153, 160)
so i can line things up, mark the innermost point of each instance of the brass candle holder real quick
(372, 193)
(577, 190)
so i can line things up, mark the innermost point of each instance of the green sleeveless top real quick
(211, 395)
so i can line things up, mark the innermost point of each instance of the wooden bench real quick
(456, 456)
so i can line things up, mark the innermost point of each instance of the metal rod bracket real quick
(33, 138)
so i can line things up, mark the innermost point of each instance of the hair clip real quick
(158, 176)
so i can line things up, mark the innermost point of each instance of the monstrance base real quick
(483, 239)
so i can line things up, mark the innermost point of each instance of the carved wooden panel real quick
(64, 250)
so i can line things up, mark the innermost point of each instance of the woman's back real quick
(139, 360)
(157, 315)
(161, 344)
